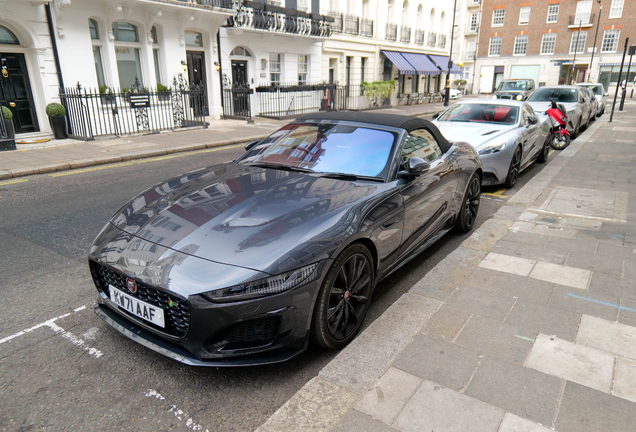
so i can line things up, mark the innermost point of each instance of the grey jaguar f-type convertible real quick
(245, 262)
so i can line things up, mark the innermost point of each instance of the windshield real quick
(597, 89)
(481, 113)
(328, 148)
(563, 95)
(513, 86)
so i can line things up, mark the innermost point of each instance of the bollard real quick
(631, 95)
(620, 108)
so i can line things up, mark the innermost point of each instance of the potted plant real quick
(8, 122)
(57, 119)
(163, 93)
(106, 95)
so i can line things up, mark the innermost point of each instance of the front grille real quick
(505, 97)
(177, 316)
(261, 329)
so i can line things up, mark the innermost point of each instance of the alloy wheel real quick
(349, 297)
(515, 167)
(471, 205)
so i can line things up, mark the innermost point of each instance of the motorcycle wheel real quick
(559, 143)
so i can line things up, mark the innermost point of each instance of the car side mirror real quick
(533, 120)
(436, 115)
(606, 93)
(251, 144)
(415, 167)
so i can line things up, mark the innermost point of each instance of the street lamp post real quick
(450, 58)
(598, 24)
(576, 48)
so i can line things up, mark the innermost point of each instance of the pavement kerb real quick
(127, 156)
(322, 410)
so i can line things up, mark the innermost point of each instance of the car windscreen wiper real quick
(280, 166)
(345, 176)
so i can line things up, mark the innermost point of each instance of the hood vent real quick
(489, 132)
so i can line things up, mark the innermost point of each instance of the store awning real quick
(442, 63)
(422, 64)
(400, 62)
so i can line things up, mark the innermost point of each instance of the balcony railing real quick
(441, 41)
(472, 28)
(432, 39)
(586, 20)
(352, 24)
(337, 26)
(419, 37)
(405, 34)
(225, 4)
(391, 31)
(260, 16)
(470, 55)
(366, 27)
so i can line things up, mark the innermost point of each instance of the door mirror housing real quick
(533, 120)
(415, 166)
(251, 144)
(436, 115)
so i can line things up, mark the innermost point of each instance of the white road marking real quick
(179, 414)
(78, 342)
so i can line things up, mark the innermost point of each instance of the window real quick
(548, 43)
(194, 39)
(471, 49)
(125, 32)
(495, 46)
(240, 51)
(610, 40)
(420, 143)
(274, 68)
(303, 65)
(583, 12)
(303, 5)
(473, 22)
(155, 53)
(466, 70)
(524, 15)
(363, 61)
(92, 25)
(521, 44)
(7, 37)
(97, 52)
(127, 54)
(578, 42)
(553, 13)
(616, 11)
(498, 16)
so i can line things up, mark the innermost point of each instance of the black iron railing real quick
(352, 24)
(419, 37)
(405, 34)
(442, 41)
(225, 4)
(366, 27)
(291, 100)
(136, 110)
(432, 39)
(262, 16)
(3, 127)
(586, 19)
(391, 31)
(237, 102)
(337, 26)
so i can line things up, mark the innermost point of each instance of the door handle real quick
(12, 104)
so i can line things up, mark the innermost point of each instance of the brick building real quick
(538, 40)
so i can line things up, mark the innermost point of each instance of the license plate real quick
(141, 309)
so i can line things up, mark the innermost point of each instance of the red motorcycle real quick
(560, 135)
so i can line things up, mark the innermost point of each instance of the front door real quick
(15, 92)
(240, 95)
(196, 75)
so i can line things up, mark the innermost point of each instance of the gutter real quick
(56, 56)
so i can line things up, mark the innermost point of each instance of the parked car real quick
(454, 93)
(508, 136)
(244, 262)
(517, 89)
(572, 97)
(593, 103)
(600, 95)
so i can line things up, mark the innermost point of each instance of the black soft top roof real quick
(409, 123)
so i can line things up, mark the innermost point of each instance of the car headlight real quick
(494, 148)
(494, 97)
(519, 97)
(263, 287)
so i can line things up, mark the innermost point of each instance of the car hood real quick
(261, 219)
(543, 106)
(475, 134)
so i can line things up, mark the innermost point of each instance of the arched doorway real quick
(15, 87)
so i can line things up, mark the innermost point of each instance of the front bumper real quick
(266, 330)
(496, 166)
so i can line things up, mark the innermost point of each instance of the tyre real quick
(344, 298)
(470, 206)
(545, 150)
(577, 130)
(515, 167)
(559, 144)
